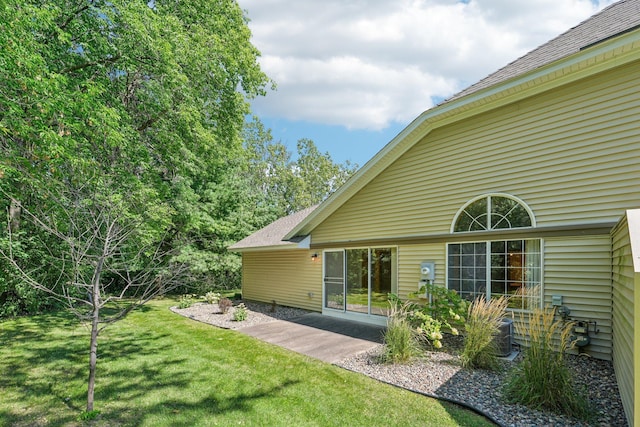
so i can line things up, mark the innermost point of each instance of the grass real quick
(159, 369)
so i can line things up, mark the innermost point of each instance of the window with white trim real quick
(493, 212)
(492, 267)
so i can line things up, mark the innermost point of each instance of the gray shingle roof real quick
(618, 18)
(272, 234)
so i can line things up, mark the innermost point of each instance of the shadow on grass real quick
(142, 374)
(44, 370)
(188, 412)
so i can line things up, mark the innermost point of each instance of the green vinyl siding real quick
(570, 155)
(623, 315)
(409, 259)
(286, 277)
(579, 269)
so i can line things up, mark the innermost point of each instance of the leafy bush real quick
(224, 304)
(186, 301)
(212, 297)
(445, 305)
(426, 327)
(240, 313)
(400, 337)
(444, 312)
(542, 379)
(483, 320)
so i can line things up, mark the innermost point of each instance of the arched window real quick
(493, 212)
(495, 267)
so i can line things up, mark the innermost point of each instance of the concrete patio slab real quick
(321, 337)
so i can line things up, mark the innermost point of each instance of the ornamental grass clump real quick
(483, 320)
(542, 379)
(400, 340)
(224, 305)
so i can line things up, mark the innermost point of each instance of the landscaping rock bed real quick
(439, 373)
(257, 313)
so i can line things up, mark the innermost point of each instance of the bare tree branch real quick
(104, 265)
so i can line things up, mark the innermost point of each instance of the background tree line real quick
(136, 114)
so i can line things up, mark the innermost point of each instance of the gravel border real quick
(257, 313)
(439, 374)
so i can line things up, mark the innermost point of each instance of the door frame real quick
(344, 313)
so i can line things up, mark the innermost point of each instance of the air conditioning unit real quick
(504, 338)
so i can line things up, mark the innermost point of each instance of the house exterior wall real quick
(625, 282)
(579, 269)
(570, 155)
(284, 276)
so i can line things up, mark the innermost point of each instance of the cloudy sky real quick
(351, 74)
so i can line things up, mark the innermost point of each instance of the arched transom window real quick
(491, 266)
(493, 212)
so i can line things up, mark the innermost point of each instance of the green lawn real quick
(156, 368)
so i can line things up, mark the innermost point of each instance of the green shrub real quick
(212, 297)
(445, 305)
(426, 327)
(542, 379)
(224, 304)
(400, 340)
(483, 320)
(240, 313)
(186, 301)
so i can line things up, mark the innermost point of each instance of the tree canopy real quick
(142, 101)
(143, 106)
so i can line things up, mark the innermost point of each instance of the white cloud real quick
(363, 64)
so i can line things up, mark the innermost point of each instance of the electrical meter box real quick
(427, 271)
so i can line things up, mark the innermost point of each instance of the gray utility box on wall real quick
(504, 338)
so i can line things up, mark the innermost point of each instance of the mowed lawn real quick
(156, 368)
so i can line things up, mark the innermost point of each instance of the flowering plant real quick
(444, 305)
(426, 326)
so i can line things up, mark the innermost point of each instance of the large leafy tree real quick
(286, 182)
(151, 95)
(134, 108)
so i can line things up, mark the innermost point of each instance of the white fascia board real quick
(633, 220)
(284, 247)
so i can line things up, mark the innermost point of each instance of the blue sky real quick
(354, 145)
(352, 74)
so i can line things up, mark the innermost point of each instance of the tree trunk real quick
(95, 322)
(14, 215)
(93, 356)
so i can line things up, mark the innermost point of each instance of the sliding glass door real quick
(357, 293)
(383, 279)
(334, 280)
(359, 280)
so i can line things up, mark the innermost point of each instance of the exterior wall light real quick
(314, 257)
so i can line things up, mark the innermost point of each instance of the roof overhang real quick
(608, 54)
(303, 242)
